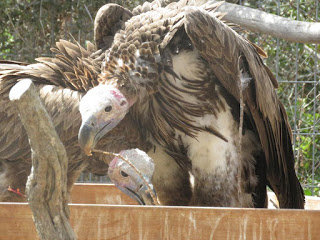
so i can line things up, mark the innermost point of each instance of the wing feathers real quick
(228, 55)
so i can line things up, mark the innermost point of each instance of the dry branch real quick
(276, 26)
(47, 183)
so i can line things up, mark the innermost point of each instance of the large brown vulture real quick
(62, 81)
(201, 94)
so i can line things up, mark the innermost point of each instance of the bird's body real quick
(208, 142)
(202, 96)
(61, 81)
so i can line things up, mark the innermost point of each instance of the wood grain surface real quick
(128, 222)
(94, 221)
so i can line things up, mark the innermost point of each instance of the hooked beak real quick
(146, 195)
(143, 196)
(91, 131)
(134, 195)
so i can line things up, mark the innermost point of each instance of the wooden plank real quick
(178, 223)
(99, 194)
(312, 203)
(109, 194)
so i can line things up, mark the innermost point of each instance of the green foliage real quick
(30, 28)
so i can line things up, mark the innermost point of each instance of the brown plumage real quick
(76, 69)
(62, 81)
(111, 17)
(203, 97)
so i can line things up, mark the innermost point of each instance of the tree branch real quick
(276, 26)
(47, 183)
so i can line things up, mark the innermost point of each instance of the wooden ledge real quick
(98, 221)
(99, 194)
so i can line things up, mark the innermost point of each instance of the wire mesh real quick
(296, 66)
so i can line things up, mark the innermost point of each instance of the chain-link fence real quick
(297, 69)
(30, 28)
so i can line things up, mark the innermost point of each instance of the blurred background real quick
(30, 27)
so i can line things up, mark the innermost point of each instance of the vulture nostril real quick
(123, 103)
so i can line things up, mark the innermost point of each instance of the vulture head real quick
(133, 177)
(100, 113)
(105, 105)
(141, 51)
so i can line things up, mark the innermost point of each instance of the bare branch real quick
(276, 26)
(47, 183)
(85, 6)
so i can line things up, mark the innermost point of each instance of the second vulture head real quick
(133, 175)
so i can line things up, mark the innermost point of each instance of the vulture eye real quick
(123, 174)
(108, 108)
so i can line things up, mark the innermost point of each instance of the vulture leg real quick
(13, 174)
(171, 182)
(218, 179)
(260, 197)
(210, 190)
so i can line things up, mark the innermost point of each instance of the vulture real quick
(201, 95)
(62, 81)
(132, 173)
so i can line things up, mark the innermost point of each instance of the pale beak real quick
(143, 196)
(146, 196)
(91, 131)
